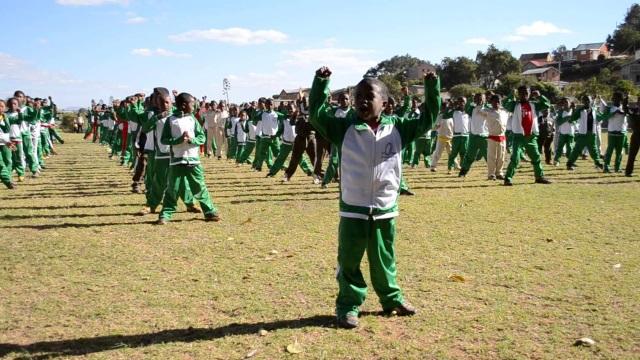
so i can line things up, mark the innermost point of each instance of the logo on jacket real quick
(388, 151)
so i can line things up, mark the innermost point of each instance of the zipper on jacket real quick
(372, 160)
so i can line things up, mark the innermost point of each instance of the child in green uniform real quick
(587, 118)
(6, 146)
(185, 135)
(370, 146)
(616, 131)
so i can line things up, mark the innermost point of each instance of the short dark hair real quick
(184, 98)
(371, 81)
(164, 92)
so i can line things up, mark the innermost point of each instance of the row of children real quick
(27, 136)
(160, 140)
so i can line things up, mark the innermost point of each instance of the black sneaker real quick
(499, 177)
(542, 180)
(404, 309)
(600, 166)
(193, 209)
(10, 186)
(162, 221)
(407, 192)
(507, 182)
(571, 167)
(349, 321)
(212, 217)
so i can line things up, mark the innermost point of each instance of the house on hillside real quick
(547, 74)
(631, 71)
(545, 56)
(537, 64)
(587, 52)
(289, 95)
(417, 72)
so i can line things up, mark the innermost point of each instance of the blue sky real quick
(78, 50)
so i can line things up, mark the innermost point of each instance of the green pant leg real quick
(419, 149)
(175, 186)
(404, 185)
(562, 140)
(332, 167)
(457, 145)
(382, 262)
(27, 149)
(257, 162)
(40, 151)
(471, 153)
(56, 135)
(231, 151)
(159, 181)
(272, 151)
(591, 144)
(305, 165)
(531, 146)
(615, 144)
(149, 173)
(278, 164)
(625, 143)
(116, 146)
(239, 152)
(581, 141)
(246, 153)
(195, 178)
(408, 152)
(5, 165)
(426, 153)
(516, 153)
(17, 157)
(352, 242)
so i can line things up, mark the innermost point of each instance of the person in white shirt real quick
(496, 121)
(444, 126)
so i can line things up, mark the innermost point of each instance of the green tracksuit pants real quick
(585, 140)
(6, 165)
(407, 153)
(377, 238)
(280, 162)
(156, 185)
(564, 139)
(332, 167)
(615, 142)
(459, 146)
(267, 148)
(246, 152)
(239, 151)
(27, 150)
(16, 159)
(180, 179)
(423, 148)
(116, 144)
(477, 148)
(528, 144)
(233, 144)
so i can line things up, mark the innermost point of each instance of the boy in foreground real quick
(370, 147)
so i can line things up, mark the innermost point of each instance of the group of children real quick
(27, 136)
(368, 143)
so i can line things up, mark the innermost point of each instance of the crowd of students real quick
(27, 136)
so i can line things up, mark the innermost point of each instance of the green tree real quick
(393, 85)
(495, 64)
(626, 37)
(461, 70)
(510, 82)
(395, 66)
(465, 90)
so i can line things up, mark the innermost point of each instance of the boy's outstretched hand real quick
(324, 72)
(430, 75)
(405, 90)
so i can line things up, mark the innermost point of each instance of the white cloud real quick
(136, 20)
(478, 41)
(91, 2)
(514, 38)
(158, 52)
(15, 69)
(340, 59)
(540, 28)
(235, 35)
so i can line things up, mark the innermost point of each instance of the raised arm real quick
(320, 116)
(410, 129)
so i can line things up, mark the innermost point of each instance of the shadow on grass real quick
(90, 345)
(55, 207)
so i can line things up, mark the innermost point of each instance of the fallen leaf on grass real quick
(273, 252)
(250, 354)
(229, 238)
(549, 239)
(294, 348)
(617, 266)
(585, 341)
(456, 278)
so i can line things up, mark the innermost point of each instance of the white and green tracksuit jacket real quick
(370, 162)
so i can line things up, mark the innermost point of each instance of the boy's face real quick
(233, 112)
(586, 101)
(268, 105)
(343, 100)
(461, 103)
(495, 103)
(21, 98)
(187, 106)
(164, 103)
(13, 105)
(3, 107)
(616, 99)
(368, 101)
(523, 94)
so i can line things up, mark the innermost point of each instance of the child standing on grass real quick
(184, 134)
(13, 118)
(444, 127)
(240, 135)
(370, 146)
(616, 131)
(6, 146)
(587, 118)
(496, 120)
